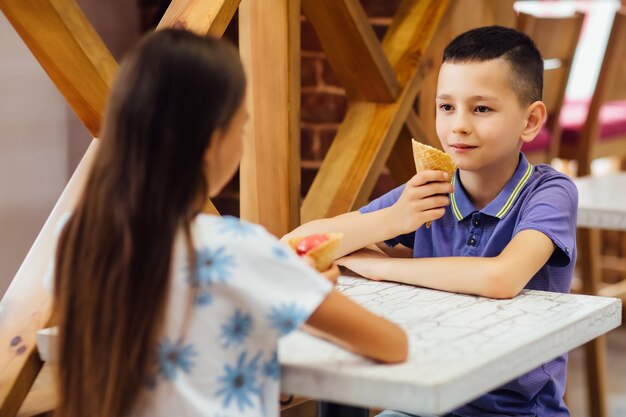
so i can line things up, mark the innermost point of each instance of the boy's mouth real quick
(462, 147)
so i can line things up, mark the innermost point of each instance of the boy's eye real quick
(482, 109)
(445, 107)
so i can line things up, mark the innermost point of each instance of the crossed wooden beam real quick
(381, 82)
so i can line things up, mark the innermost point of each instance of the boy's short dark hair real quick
(516, 48)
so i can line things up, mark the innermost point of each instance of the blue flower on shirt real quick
(286, 318)
(280, 252)
(239, 383)
(232, 225)
(213, 265)
(237, 329)
(174, 356)
(203, 297)
(271, 368)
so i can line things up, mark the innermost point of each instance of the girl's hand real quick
(362, 261)
(331, 274)
(423, 199)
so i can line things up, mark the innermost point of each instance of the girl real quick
(166, 311)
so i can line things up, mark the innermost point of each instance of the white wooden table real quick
(602, 201)
(460, 346)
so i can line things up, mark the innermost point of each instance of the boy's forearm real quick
(468, 275)
(359, 230)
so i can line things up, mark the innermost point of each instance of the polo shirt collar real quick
(501, 205)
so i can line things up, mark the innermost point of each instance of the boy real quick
(506, 225)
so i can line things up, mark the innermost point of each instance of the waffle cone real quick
(429, 158)
(323, 254)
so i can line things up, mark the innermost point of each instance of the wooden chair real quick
(556, 38)
(597, 128)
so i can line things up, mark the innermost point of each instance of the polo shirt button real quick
(476, 222)
(472, 241)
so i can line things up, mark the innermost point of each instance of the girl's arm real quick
(349, 325)
(503, 276)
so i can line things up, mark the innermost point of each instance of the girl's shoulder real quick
(229, 230)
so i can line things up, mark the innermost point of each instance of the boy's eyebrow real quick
(473, 98)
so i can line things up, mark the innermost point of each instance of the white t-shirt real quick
(217, 357)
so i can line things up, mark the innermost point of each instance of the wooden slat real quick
(269, 33)
(200, 16)
(69, 50)
(611, 79)
(24, 309)
(352, 49)
(367, 135)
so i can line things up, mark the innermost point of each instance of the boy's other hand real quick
(423, 199)
(361, 262)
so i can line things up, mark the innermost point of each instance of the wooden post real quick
(269, 42)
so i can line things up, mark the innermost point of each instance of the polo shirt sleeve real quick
(385, 201)
(551, 209)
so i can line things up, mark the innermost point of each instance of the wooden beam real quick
(352, 49)
(69, 50)
(200, 16)
(367, 135)
(25, 308)
(269, 43)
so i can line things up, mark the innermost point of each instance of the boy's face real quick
(479, 116)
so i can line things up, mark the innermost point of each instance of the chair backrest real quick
(611, 86)
(556, 38)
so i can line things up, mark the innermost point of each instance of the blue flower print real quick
(286, 318)
(232, 225)
(271, 368)
(280, 252)
(213, 266)
(239, 382)
(237, 329)
(174, 356)
(203, 297)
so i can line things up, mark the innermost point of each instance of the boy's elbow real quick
(501, 286)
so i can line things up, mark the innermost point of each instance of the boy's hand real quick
(361, 262)
(423, 199)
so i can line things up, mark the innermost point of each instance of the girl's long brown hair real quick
(113, 260)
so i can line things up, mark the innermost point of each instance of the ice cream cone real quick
(429, 158)
(324, 254)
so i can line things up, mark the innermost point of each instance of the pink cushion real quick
(574, 113)
(541, 142)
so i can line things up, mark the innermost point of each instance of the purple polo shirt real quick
(537, 198)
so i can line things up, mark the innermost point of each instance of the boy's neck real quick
(482, 187)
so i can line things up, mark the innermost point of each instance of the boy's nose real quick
(460, 125)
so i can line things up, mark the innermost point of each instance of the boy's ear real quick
(536, 116)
